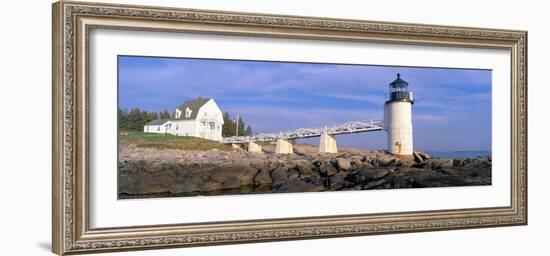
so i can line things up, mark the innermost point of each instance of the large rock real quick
(418, 157)
(157, 184)
(327, 168)
(384, 160)
(258, 163)
(406, 163)
(262, 178)
(193, 185)
(357, 161)
(304, 167)
(423, 155)
(376, 173)
(298, 186)
(374, 184)
(230, 182)
(271, 165)
(280, 174)
(243, 174)
(440, 163)
(293, 174)
(477, 163)
(369, 174)
(458, 162)
(339, 180)
(420, 178)
(343, 164)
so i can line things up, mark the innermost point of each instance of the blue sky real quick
(452, 112)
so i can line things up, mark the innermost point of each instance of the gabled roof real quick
(193, 105)
(158, 122)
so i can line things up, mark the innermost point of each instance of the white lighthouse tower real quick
(398, 118)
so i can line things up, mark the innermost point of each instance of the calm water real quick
(458, 154)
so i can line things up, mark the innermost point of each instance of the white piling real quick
(254, 147)
(283, 147)
(327, 144)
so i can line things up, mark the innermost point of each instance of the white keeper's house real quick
(200, 117)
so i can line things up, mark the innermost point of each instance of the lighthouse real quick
(398, 118)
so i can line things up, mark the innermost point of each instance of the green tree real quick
(165, 114)
(146, 117)
(228, 128)
(241, 127)
(230, 125)
(137, 118)
(134, 119)
(122, 120)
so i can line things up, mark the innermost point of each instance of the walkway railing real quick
(346, 128)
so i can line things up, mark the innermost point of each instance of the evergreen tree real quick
(134, 119)
(149, 116)
(122, 120)
(241, 127)
(228, 128)
(165, 114)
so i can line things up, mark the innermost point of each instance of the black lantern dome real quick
(399, 83)
(399, 90)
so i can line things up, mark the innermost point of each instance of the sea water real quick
(458, 154)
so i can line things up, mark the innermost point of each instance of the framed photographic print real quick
(179, 127)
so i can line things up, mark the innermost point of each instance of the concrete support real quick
(327, 144)
(283, 147)
(253, 147)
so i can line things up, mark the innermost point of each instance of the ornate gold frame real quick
(72, 22)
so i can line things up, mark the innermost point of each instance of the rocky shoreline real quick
(146, 172)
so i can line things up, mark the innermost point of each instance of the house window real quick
(177, 126)
(158, 129)
(178, 113)
(188, 112)
(212, 126)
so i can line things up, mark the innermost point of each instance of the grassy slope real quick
(168, 141)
